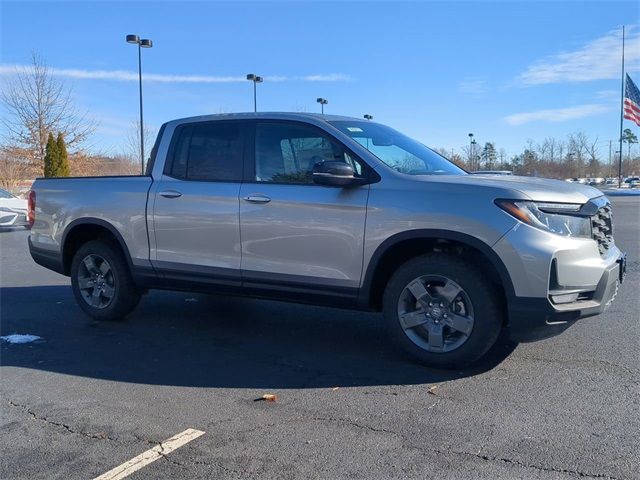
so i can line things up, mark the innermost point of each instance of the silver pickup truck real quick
(334, 211)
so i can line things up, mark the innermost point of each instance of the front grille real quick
(602, 228)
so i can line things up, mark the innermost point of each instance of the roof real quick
(314, 117)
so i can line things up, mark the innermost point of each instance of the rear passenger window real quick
(181, 154)
(209, 151)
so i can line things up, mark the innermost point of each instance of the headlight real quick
(560, 218)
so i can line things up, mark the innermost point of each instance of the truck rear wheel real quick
(442, 311)
(101, 281)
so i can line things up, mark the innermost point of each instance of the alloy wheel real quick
(435, 313)
(96, 281)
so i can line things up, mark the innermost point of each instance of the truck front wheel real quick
(101, 281)
(442, 310)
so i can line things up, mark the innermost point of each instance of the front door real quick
(295, 234)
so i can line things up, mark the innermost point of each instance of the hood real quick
(13, 203)
(531, 188)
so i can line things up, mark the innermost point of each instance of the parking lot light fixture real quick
(255, 79)
(322, 102)
(142, 43)
(474, 159)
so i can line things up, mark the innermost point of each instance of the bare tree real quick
(502, 156)
(583, 150)
(442, 151)
(591, 148)
(132, 142)
(14, 167)
(83, 165)
(560, 151)
(470, 155)
(576, 143)
(36, 104)
(543, 150)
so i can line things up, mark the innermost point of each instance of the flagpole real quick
(621, 114)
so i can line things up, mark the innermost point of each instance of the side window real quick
(286, 153)
(209, 151)
(181, 154)
(154, 151)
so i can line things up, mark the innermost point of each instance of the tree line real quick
(576, 156)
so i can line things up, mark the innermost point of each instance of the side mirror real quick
(336, 174)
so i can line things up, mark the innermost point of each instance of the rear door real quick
(298, 236)
(196, 230)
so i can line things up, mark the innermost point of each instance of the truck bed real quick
(119, 200)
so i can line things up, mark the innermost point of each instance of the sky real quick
(508, 72)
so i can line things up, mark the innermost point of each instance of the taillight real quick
(31, 208)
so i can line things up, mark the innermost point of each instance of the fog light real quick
(565, 298)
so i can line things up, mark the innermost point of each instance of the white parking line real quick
(151, 455)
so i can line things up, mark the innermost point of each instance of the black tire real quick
(485, 306)
(124, 293)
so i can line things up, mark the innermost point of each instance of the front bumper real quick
(534, 318)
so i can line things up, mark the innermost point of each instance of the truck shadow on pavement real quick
(182, 339)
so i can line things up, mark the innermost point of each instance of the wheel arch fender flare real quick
(91, 221)
(366, 288)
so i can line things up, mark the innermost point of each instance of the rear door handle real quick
(170, 194)
(257, 198)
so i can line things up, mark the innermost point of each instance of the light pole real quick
(255, 79)
(475, 156)
(368, 118)
(322, 102)
(470, 150)
(142, 43)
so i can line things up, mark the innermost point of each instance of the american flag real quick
(631, 101)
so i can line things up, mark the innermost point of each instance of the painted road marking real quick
(151, 455)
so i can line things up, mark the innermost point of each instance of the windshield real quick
(397, 150)
(5, 194)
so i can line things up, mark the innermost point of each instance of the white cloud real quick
(557, 114)
(610, 95)
(332, 77)
(473, 87)
(130, 76)
(600, 59)
(122, 75)
(276, 78)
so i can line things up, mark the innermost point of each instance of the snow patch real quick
(622, 192)
(19, 338)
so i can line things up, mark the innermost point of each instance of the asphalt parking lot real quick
(90, 396)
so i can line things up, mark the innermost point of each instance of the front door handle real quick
(170, 194)
(257, 198)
